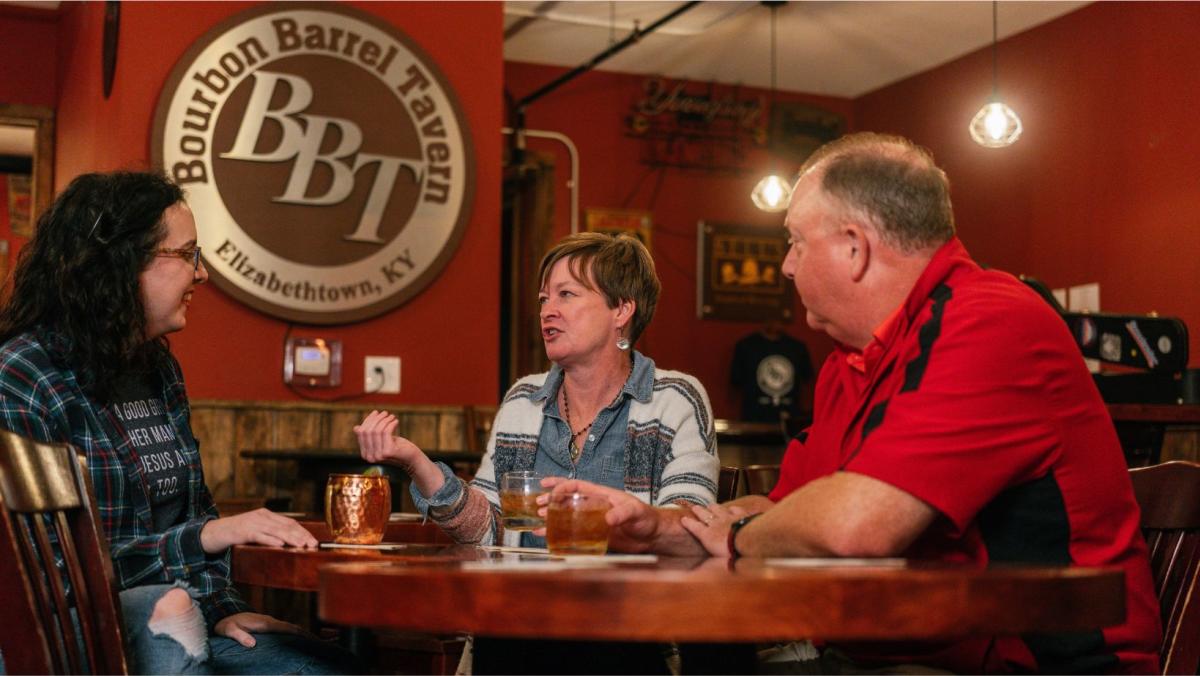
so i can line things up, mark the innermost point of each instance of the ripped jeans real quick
(182, 645)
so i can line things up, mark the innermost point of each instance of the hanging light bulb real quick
(995, 125)
(772, 193)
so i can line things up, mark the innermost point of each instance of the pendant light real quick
(995, 125)
(772, 193)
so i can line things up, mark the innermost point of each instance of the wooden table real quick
(437, 589)
(1182, 414)
(296, 569)
(284, 568)
(707, 600)
(405, 530)
(1142, 427)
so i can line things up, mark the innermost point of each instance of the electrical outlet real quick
(381, 375)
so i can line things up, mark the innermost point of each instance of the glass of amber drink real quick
(518, 500)
(575, 524)
(357, 507)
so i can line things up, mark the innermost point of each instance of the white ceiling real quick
(835, 48)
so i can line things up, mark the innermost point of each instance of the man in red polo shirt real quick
(954, 421)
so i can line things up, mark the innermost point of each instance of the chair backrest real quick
(760, 479)
(1169, 497)
(477, 426)
(727, 483)
(57, 587)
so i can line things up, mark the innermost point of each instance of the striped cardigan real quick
(670, 450)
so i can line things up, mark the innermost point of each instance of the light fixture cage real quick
(996, 125)
(772, 193)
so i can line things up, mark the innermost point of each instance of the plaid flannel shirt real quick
(40, 398)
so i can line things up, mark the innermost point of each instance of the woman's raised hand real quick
(377, 441)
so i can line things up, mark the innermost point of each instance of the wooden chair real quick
(45, 493)
(760, 479)
(727, 483)
(1169, 497)
(477, 427)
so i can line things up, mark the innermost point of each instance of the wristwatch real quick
(733, 531)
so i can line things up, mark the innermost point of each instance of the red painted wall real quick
(1104, 184)
(590, 110)
(28, 47)
(28, 44)
(447, 336)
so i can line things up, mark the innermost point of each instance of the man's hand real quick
(633, 523)
(239, 626)
(260, 527)
(378, 443)
(710, 526)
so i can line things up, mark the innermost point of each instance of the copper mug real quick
(357, 507)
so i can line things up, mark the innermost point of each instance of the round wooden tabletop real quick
(296, 569)
(709, 600)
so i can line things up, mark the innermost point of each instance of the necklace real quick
(574, 448)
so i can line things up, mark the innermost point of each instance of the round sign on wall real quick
(327, 160)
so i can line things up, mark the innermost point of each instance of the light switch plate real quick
(390, 383)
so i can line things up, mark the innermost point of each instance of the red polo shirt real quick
(974, 399)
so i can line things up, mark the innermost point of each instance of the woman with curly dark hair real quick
(84, 360)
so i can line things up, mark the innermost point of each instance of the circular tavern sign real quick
(327, 160)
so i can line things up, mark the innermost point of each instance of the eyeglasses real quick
(191, 254)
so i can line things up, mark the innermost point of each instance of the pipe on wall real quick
(572, 151)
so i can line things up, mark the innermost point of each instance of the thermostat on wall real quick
(314, 362)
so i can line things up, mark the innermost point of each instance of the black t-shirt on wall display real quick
(770, 372)
(139, 406)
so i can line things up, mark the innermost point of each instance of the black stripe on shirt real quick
(1028, 524)
(928, 334)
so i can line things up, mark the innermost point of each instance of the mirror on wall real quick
(26, 167)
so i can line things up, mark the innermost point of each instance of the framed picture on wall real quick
(797, 129)
(738, 275)
(20, 199)
(617, 221)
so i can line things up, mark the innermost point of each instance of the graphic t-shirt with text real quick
(139, 406)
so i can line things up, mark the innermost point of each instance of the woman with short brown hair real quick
(603, 412)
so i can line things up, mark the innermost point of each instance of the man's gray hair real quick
(891, 183)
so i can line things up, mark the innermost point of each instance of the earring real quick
(622, 343)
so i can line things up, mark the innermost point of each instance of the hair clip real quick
(93, 230)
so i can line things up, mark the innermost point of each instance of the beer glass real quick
(357, 507)
(575, 524)
(518, 500)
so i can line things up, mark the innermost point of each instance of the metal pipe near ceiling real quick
(518, 130)
(573, 182)
(596, 60)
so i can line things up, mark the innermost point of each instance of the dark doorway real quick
(526, 224)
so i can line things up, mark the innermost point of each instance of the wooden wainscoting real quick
(224, 428)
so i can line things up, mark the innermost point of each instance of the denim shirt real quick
(655, 441)
(602, 460)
